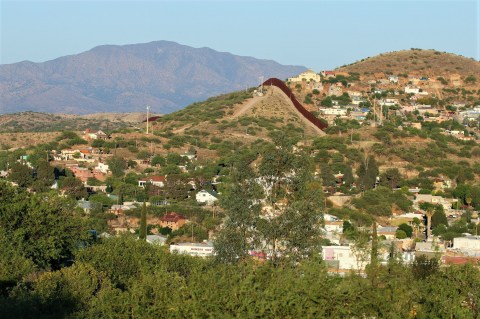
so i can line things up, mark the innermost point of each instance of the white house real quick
(154, 180)
(308, 75)
(469, 244)
(156, 240)
(206, 197)
(412, 89)
(334, 111)
(345, 258)
(102, 168)
(204, 249)
(388, 102)
(334, 226)
(393, 79)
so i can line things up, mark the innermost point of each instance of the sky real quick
(320, 35)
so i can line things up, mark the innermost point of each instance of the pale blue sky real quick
(316, 34)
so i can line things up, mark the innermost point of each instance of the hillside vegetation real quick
(415, 61)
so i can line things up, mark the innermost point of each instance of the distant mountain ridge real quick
(112, 78)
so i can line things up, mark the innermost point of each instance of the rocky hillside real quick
(416, 61)
(165, 75)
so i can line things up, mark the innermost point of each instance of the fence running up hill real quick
(306, 114)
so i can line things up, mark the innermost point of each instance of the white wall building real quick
(468, 243)
(206, 197)
(102, 168)
(412, 89)
(347, 259)
(308, 75)
(333, 111)
(204, 249)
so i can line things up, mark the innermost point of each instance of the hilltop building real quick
(308, 75)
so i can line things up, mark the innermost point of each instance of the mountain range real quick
(111, 78)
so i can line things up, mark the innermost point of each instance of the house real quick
(412, 89)
(469, 245)
(393, 79)
(158, 181)
(435, 200)
(388, 102)
(173, 221)
(156, 240)
(204, 249)
(206, 197)
(328, 74)
(86, 205)
(440, 183)
(334, 111)
(308, 75)
(99, 135)
(345, 258)
(334, 226)
(102, 168)
(388, 232)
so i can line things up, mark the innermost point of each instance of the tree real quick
(241, 202)
(407, 229)
(143, 223)
(117, 165)
(391, 178)
(400, 234)
(348, 176)
(43, 227)
(367, 172)
(157, 160)
(21, 174)
(73, 186)
(328, 179)
(45, 176)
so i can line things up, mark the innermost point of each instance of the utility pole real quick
(148, 115)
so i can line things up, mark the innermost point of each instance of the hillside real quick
(420, 62)
(240, 116)
(109, 78)
(45, 122)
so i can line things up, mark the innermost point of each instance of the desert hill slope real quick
(421, 62)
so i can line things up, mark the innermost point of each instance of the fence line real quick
(309, 116)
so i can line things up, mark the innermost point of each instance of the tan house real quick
(173, 221)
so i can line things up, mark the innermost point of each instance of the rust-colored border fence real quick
(309, 116)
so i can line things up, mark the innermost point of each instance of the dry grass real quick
(420, 62)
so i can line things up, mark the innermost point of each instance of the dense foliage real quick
(127, 278)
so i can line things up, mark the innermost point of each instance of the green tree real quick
(328, 179)
(117, 165)
(43, 227)
(391, 178)
(21, 174)
(367, 173)
(157, 160)
(407, 229)
(348, 176)
(400, 234)
(73, 186)
(143, 223)
(45, 176)
(241, 202)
